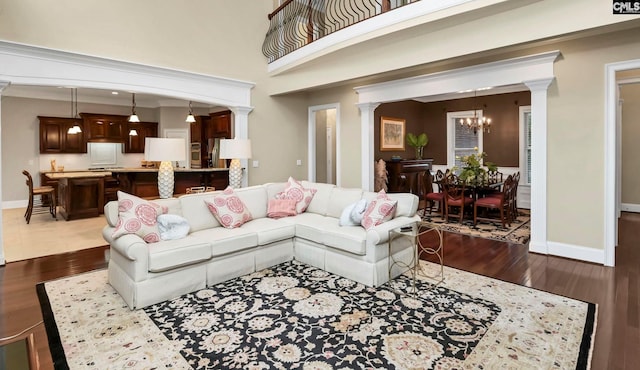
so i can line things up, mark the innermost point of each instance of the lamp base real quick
(165, 180)
(235, 174)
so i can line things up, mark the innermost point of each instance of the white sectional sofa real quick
(145, 274)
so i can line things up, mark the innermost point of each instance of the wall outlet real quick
(299, 162)
(256, 164)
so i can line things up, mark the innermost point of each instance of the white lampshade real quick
(235, 149)
(164, 149)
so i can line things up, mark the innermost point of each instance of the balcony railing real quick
(297, 23)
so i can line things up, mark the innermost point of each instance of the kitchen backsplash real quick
(100, 155)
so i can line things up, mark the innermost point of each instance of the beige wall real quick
(630, 94)
(207, 37)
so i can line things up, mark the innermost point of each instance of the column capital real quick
(3, 85)
(367, 107)
(539, 85)
(241, 110)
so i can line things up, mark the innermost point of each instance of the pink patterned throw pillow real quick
(229, 209)
(294, 190)
(379, 210)
(138, 216)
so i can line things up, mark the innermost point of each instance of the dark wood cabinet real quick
(407, 176)
(135, 144)
(208, 128)
(54, 136)
(80, 197)
(106, 128)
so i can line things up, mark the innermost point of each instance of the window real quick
(461, 141)
(525, 144)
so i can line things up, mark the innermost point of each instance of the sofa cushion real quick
(380, 210)
(270, 230)
(255, 199)
(137, 216)
(352, 239)
(225, 241)
(311, 226)
(273, 188)
(195, 210)
(170, 254)
(294, 190)
(229, 209)
(340, 198)
(320, 199)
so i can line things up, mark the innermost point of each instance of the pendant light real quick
(76, 129)
(133, 132)
(476, 123)
(133, 117)
(190, 117)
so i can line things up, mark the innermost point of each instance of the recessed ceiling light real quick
(114, 93)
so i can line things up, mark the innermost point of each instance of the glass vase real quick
(419, 152)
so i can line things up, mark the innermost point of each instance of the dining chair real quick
(514, 196)
(431, 196)
(494, 177)
(455, 196)
(500, 202)
(41, 199)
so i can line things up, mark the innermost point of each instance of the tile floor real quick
(45, 236)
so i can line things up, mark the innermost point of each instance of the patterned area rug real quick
(519, 232)
(296, 316)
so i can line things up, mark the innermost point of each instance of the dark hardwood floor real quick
(615, 290)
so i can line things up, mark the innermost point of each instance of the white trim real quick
(366, 144)
(311, 141)
(3, 85)
(610, 144)
(11, 204)
(629, 207)
(576, 252)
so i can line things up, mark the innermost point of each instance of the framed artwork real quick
(391, 134)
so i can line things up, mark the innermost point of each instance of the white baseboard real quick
(15, 204)
(575, 252)
(629, 207)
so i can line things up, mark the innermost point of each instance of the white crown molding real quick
(500, 73)
(60, 68)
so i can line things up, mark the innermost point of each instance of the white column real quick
(241, 131)
(538, 241)
(3, 85)
(367, 130)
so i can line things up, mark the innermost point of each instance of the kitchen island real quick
(143, 182)
(80, 193)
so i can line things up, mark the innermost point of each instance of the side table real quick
(425, 237)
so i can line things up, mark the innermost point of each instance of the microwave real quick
(196, 155)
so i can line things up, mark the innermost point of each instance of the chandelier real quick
(476, 123)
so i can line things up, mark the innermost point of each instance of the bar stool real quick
(37, 197)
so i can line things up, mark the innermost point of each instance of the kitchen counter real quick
(76, 174)
(143, 182)
(142, 169)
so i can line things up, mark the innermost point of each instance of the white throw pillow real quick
(358, 211)
(172, 227)
(229, 209)
(352, 214)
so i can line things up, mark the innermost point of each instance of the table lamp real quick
(165, 150)
(235, 150)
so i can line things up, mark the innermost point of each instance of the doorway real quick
(324, 143)
(613, 148)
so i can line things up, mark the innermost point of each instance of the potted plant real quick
(472, 170)
(418, 142)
